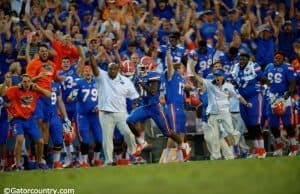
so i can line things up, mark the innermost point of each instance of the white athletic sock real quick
(96, 155)
(293, 141)
(255, 143)
(84, 158)
(180, 155)
(261, 143)
(56, 156)
(69, 152)
(140, 139)
(2, 162)
(167, 153)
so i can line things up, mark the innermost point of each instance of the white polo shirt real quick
(113, 93)
(218, 97)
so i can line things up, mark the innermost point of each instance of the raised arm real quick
(61, 106)
(43, 91)
(170, 70)
(94, 66)
(196, 76)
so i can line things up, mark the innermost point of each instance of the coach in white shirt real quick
(219, 92)
(113, 89)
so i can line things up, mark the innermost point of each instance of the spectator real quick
(163, 10)
(15, 70)
(287, 36)
(7, 56)
(63, 48)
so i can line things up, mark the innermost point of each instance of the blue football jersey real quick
(55, 92)
(204, 61)
(248, 79)
(228, 63)
(149, 77)
(175, 90)
(177, 54)
(279, 77)
(67, 86)
(87, 97)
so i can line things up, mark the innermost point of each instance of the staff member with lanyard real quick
(113, 89)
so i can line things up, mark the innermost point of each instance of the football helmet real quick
(127, 68)
(278, 107)
(148, 62)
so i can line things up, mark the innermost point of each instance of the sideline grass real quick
(253, 176)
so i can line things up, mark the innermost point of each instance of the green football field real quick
(253, 176)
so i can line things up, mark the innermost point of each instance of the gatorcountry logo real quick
(26, 100)
(48, 69)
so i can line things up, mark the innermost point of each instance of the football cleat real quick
(97, 163)
(138, 151)
(122, 162)
(277, 152)
(57, 165)
(254, 153)
(42, 166)
(67, 164)
(84, 165)
(262, 153)
(293, 150)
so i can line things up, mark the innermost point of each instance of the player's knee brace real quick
(98, 147)
(290, 130)
(84, 148)
(57, 147)
(275, 132)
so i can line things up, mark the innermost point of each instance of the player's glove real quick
(67, 125)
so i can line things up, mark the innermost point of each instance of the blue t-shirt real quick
(208, 31)
(265, 51)
(229, 28)
(165, 13)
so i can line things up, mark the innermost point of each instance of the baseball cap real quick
(63, 15)
(208, 12)
(219, 72)
(174, 35)
(266, 29)
(131, 44)
(288, 22)
(67, 36)
(231, 11)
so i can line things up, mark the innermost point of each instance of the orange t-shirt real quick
(22, 102)
(62, 52)
(36, 66)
